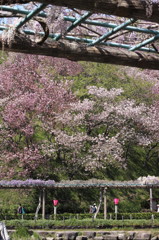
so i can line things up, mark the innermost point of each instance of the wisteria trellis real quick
(142, 182)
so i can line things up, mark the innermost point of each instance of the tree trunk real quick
(77, 52)
(38, 207)
(123, 8)
(100, 203)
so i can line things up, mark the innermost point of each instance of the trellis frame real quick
(86, 49)
(102, 185)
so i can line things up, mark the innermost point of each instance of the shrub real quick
(21, 233)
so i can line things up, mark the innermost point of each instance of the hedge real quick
(66, 216)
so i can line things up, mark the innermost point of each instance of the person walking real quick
(21, 210)
(93, 210)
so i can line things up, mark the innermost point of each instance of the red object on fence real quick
(116, 201)
(55, 202)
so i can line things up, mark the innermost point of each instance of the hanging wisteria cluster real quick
(29, 183)
(148, 181)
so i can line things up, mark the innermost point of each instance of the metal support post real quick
(43, 204)
(55, 212)
(105, 203)
(116, 211)
(151, 197)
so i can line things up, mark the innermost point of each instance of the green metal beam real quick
(25, 12)
(75, 24)
(118, 28)
(30, 15)
(111, 44)
(147, 41)
(89, 22)
(111, 25)
(85, 40)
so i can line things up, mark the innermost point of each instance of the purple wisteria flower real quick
(26, 183)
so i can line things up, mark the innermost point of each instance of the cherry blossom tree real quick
(97, 131)
(43, 122)
(29, 95)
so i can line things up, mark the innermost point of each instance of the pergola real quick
(102, 47)
(103, 185)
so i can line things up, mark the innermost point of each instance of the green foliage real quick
(29, 218)
(3, 56)
(111, 76)
(123, 221)
(137, 215)
(21, 233)
(36, 236)
(10, 199)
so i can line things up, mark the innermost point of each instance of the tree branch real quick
(38, 207)
(100, 203)
(80, 52)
